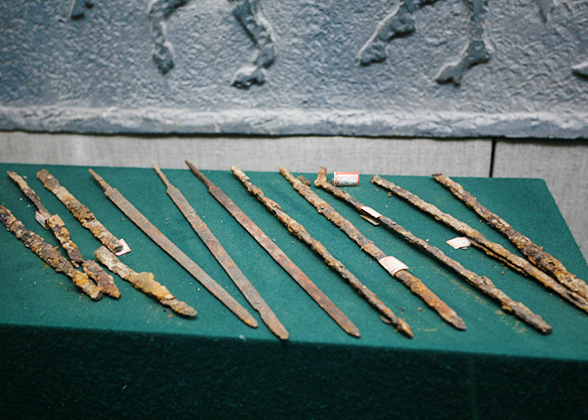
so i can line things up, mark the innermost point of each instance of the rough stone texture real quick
(97, 73)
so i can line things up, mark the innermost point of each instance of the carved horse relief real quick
(248, 14)
(401, 23)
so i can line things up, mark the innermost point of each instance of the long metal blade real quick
(168, 246)
(278, 255)
(224, 259)
(394, 267)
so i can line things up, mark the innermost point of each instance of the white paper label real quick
(126, 249)
(392, 265)
(39, 218)
(371, 212)
(460, 242)
(342, 179)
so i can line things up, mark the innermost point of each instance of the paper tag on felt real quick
(461, 242)
(126, 248)
(371, 212)
(392, 264)
(42, 221)
(345, 179)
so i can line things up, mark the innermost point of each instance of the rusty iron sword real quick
(224, 259)
(168, 246)
(484, 284)
(296, 229)
(278, 255)
(389, 263)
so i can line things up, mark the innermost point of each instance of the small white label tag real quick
(343, 179)
(126, 249)
(39, 218)
(460, 242)
(392, 265)
(371, 212)
(370, 219)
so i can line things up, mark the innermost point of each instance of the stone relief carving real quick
(401, 23)
(249, 15)
(574, 6)
(78, 8)
(158, 11)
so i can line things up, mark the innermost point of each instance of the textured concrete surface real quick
(97, 73)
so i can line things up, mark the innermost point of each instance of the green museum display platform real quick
(63, 355)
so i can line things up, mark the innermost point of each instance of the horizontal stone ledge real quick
(281, 122)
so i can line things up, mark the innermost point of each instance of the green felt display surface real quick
(44, 315)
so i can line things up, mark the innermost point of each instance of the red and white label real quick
(42, 221)
(345, 179)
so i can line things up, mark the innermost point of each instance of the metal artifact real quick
(491, 248)
(168, 246)
(398, 271)
(48, 254)
(91, 268)
(299, 231)
(224, 259)
(535, 253)
(143, 281)
(79, 211)
(278, 255)
(482, 283)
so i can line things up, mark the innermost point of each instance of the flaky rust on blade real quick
(48, 254)
(278, 255)
(484, 284)
(405, 277)
(534, 252)
(60, 232)
(91, 268)
(168, 246)
(144, 282)
(101, 277)
(299, 231)
(494, 248)
(79, 211)
(218, 251)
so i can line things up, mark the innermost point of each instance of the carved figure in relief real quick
(575, 6)
(158, 11)
(401, 23)
(249, 15)
(78, 8)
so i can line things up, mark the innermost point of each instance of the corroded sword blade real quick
(90, 267)
(48, 254)
(534, 252)
(390, 264)
(484, 284)
(301, 233)
(224, 259)
(494, 249)
(278, 255)
(168, 246)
